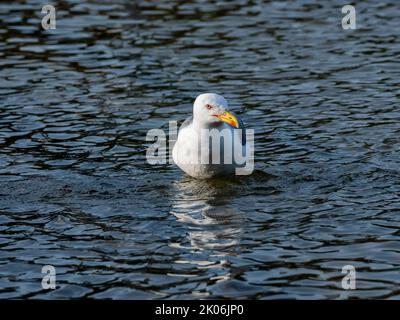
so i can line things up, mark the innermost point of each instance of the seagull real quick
(211, 143)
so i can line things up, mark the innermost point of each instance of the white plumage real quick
(197, 151)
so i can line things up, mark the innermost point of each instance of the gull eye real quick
(209, 106)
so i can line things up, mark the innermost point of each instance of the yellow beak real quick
(229, 118)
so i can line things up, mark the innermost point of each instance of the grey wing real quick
(186, 123)
(242, 127)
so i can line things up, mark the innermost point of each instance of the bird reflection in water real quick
(205, 206)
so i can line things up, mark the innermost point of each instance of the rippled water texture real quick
(77, 193)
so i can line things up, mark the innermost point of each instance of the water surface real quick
(77, 193)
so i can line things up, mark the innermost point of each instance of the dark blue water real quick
(77, 193)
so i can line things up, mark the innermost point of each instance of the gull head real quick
(211, 109)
